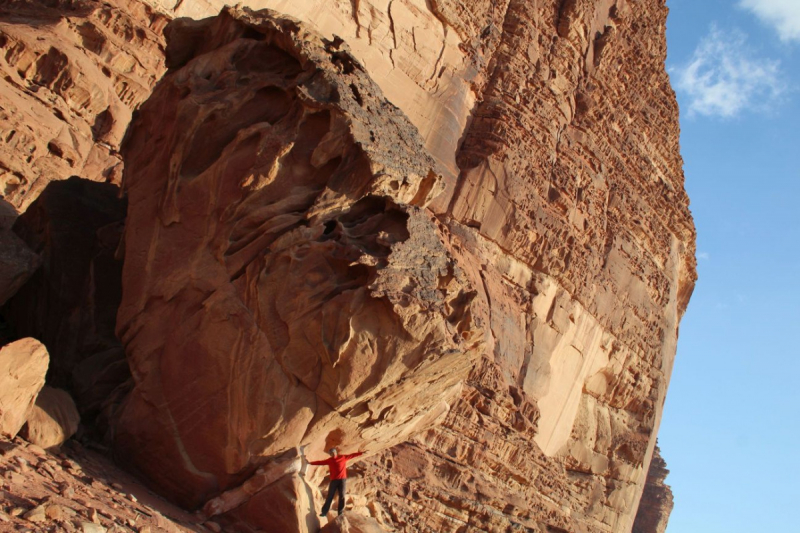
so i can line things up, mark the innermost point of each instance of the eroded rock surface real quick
(283, 282)
(72, 72)
(285, 269)
(571, 192)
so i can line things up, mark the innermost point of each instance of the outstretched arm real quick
(318, 463)
(352, 455)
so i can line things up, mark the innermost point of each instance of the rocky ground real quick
(78, 489)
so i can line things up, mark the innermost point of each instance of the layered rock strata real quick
(562, 214)
(72, 72)
(283, 282)
(572, 193)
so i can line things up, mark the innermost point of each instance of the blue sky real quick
(731, 427)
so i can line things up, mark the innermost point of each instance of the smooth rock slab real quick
(23, 365)
(53, 419)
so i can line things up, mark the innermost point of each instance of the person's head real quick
(334, 452)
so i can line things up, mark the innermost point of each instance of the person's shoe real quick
(323, 515)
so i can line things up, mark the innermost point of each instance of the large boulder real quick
(53, 419)
(283, 282)
(23, 365)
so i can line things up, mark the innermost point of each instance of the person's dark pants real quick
(337, 485)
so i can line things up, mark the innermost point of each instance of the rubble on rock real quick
(77, 490)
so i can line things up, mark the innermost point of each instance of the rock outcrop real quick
(23, 365)
(72, 72)
(454, 232)
(283, 283)
(657, 503)
(352, 523)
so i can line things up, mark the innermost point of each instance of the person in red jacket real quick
(338, 469)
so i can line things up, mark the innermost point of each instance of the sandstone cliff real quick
(72, 72)
(283, 284)
(454, 232)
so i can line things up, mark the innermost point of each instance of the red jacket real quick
(337, 465)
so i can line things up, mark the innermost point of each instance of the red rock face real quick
(571, 191)
(72, 71)
(486, 294)
(283, 283)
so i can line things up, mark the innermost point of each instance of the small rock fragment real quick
(213, 526)
(37, 514)
(88, 527)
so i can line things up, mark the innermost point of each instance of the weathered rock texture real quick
(572, 192)
(53, 419)
(23, 365)
(352, 523)
(292, 276)
(72, 72)
(656, 504)
(283, 283)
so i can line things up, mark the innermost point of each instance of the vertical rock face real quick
(571, 189)
(72, 71)
(656, 504)
(480, 277)
(283, 283)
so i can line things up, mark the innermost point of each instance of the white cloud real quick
(704, 256)
(724, 77)
(783, 14)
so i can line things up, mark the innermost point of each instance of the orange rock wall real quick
(72, 72)
(555, 132)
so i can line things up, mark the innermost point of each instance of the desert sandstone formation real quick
(23, 365)
(454, 232)
(657, 503)
(283, 283)
(72, 72)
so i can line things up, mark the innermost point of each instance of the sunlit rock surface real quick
(283, 282)
(526, 190)
(71, 72)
